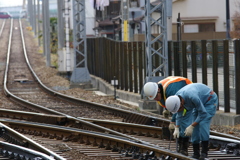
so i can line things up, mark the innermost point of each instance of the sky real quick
(10, 2)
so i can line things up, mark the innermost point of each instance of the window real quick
(191, 28)
(134, 3)
(201, 27)
(207, 27)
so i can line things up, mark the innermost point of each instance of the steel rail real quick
(17, 151)
(46, 151)
(104, 137)
(119, 126)
(5, 90)
(30, 143)
(78, 120)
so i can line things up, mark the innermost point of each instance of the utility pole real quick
(125, 7)
(30, 12)
(60, 25)
(179, 28)
(34, 18)
(80, 73)
(177, 71)
(38, 21)
(157, 45)
(68, 56)
(46, 32)
(164, 9)
(227, 20)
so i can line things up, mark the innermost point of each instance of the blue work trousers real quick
(201, 132)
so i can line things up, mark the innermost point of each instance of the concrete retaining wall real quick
(107, 88)
(220, 118)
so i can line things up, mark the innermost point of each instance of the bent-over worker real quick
(199, 100)
(160, 92)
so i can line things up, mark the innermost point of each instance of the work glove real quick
(189, 130)
(176, 133)
(166, 113)
(171, 126)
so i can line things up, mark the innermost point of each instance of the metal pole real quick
(178, 28)
(113, 29)
(68, 57)
(161, 39)
(178, 73)
(227, 20)
(60, 25)
(114, 83)
(171, 137)
(30, 12)
(80, 73)
(125, 17)
(43, 28)
(34, 18)
(38, 23)
(48, 53)
(46, 32)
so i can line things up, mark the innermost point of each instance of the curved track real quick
(22, 87)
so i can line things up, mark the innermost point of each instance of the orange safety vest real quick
(171, 79)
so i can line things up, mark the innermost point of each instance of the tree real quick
(235, 33)
(54, 38)
(53, 34)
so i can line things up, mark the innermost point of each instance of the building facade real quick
(203, 19)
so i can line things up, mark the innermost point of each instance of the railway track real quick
(140, 136)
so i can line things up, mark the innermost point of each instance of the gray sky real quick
(10, 2)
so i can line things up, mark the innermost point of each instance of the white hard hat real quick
(150, 90)
(173, 104)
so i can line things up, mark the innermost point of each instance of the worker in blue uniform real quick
(200, 101)
(160, 92)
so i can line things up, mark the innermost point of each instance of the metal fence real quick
(211, 62)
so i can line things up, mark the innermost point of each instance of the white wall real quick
(90, 18)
